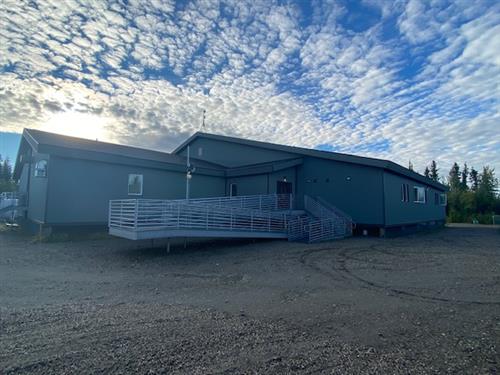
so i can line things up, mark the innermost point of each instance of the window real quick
(41, 168)
(405, 193)
(436, 199)
(419, 194)
(200, 151)
(443, 199)
(135, 184)
(233, 190)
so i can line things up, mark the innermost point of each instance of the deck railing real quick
(238, 213)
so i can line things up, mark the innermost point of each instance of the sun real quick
(78, 124)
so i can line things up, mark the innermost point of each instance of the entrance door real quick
(285, 190)
(283, 187)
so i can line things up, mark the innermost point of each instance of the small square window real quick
(135, 184)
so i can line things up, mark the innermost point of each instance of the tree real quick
(464, 178)
(427, 172)
(434, 171)
(474, 179)
(454, 178)
(6, 182)
(486, 190)
(6, 170)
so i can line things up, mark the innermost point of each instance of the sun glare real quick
(77, 124)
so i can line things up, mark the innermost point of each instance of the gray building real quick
(70, 181)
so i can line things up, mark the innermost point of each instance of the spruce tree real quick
(454, 177)
(474, 179)
(434, 171)
(464, 178)
(486, 191)
(427, 172)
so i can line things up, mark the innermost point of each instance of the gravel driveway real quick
(426, 303)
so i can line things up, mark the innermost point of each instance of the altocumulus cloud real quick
(399, 80)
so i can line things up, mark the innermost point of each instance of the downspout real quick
(47, 191)
(383, 199)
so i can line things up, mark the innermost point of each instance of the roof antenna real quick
(203, 120)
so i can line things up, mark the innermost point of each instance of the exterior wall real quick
(37, 189)
(233, 154)
(261, 183)
(80, 190)
(400, 213)
(355, 189)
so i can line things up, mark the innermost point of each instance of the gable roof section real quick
(346, 158)
(66, 146)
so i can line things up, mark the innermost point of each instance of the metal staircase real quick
(325, 222)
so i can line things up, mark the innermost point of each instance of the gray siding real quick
(262, 183)
(37, 197)
(398, 212)
(360, 196)
(232, 154)
(80, 190)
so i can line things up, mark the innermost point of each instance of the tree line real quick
(6, 181)
(473, 194)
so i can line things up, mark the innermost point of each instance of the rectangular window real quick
(443, 200)
(436, 199)
(135, 184)
(419, 194)
(200, 151)
(405, 193)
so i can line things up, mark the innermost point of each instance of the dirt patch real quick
(419, 304)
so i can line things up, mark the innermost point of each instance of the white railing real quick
(11, 203)
(201, 214)
(328, 222)
(268, 202)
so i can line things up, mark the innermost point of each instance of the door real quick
(284, 189)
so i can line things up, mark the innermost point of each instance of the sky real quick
(398, 80)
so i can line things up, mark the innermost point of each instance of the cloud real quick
(416, 81)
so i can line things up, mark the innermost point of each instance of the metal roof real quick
(347, 158)
(57, 144)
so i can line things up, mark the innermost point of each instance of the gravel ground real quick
(427, 303)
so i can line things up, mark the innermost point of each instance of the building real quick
(70, 181)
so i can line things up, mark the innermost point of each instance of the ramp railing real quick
(200, 214)
(265, 202)
(327, 222)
